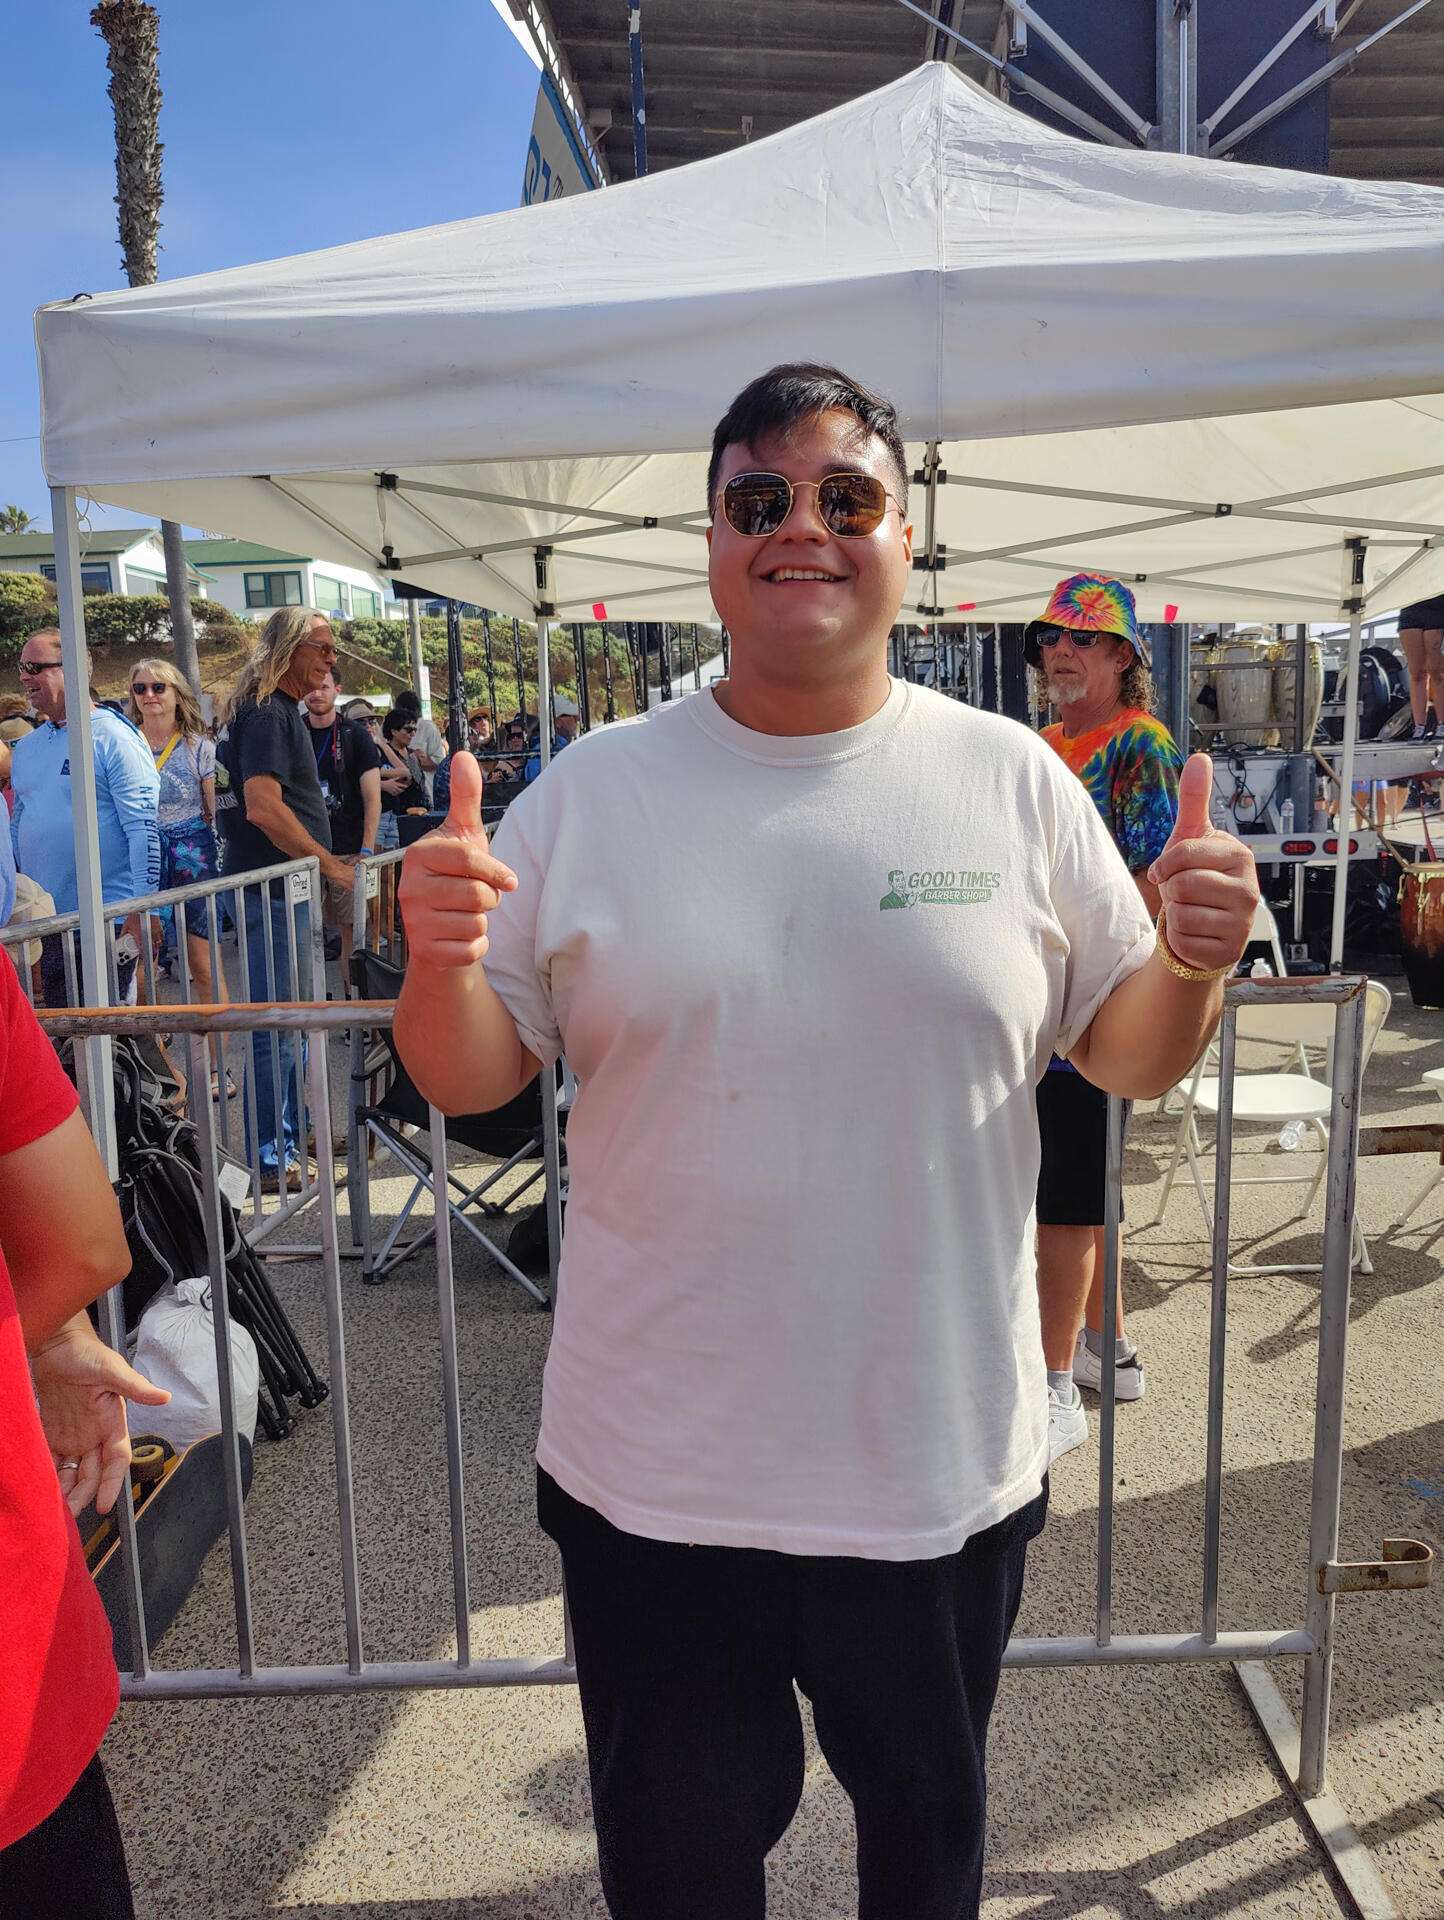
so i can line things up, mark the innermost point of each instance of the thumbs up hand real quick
(1207, 879)
(449, 880)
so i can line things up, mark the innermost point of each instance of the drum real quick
(1285, 658)
(1421, 926)
(1244, 683)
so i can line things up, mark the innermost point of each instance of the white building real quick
(253, 580)
(112, 559)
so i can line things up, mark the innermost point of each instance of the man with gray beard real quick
(1088, 649)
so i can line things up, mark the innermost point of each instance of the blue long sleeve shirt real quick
(7, 876)
(127, 796)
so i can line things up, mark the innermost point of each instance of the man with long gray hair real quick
(270, 808)
(1091, 657)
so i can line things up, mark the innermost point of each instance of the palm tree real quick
(131, 31)
(15, 520)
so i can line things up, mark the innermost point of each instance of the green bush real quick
(27, 604)
(127, 619)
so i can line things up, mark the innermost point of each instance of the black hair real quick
(407, 701)
(396, 718)
(786, 396)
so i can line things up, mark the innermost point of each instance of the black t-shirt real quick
(268, 737)
(344, 751)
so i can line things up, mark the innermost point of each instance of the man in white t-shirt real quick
(809, 940)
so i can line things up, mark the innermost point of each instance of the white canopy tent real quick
(1203, 373)
(1225, 383)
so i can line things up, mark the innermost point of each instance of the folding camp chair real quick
(1263, 932)
(511, 1135)
(1275, 1099)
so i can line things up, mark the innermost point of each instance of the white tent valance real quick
(1207, 375)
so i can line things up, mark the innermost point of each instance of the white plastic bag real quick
(176, 1349)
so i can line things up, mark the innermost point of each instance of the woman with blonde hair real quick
(167, 712)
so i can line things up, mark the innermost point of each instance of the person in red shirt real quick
(61, 1445)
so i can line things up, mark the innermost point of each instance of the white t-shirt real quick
(808, 986)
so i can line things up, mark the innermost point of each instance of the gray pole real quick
(413, 621)
(1177, 77)
(1354, 550)
(1335, 1284)
(95, 973)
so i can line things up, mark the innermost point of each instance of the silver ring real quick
(70, 1463)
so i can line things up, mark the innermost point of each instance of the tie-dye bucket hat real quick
(1092, 603)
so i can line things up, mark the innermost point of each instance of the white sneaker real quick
(1128, 1378)
(1067, 1423)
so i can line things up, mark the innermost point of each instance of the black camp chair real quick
(510, 1134)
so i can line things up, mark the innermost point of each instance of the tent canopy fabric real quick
(1205, 374)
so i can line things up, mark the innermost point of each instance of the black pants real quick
(686, 1659)
(72, 1866)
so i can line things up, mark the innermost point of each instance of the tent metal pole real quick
(1353, 604)
(516, 655)
(93, 1055)
(1132, 119)
(546, 723)
(551, 1128)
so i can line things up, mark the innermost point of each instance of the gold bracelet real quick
(1171, 960)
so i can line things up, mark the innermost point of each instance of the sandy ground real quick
(1144, 1792)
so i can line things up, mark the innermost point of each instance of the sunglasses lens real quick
(852, 504)
(756, 504)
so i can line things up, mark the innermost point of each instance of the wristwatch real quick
(1176, 966)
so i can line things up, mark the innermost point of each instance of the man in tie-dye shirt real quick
(1088, 649)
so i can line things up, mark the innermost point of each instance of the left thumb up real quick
(1195, 790)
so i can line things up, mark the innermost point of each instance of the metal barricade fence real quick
(277, 905)
(1305, 1750)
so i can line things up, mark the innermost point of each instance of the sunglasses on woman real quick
(139, 687)
(851, 505)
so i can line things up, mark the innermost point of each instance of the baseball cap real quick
(1090, 603)
(561, 705)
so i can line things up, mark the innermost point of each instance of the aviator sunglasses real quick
(1079, 637)
(850, 505)
(139, 687)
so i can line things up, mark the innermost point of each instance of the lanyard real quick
(170, 748)
(328, 741)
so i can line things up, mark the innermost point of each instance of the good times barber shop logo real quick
(942, 887)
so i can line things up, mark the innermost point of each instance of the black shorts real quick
(1073, 1134)
(1428, 614)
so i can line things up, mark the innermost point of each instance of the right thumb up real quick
(450, 880)
(463, 817)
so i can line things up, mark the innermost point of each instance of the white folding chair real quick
(1274, 1099)
(1264, 929)
(1435, 1079)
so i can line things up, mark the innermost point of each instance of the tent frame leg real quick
(93, 1055)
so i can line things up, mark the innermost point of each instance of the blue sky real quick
(286, 126)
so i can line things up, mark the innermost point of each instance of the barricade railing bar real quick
(1312, 1641)
(265, 903)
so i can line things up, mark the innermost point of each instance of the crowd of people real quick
(833, 1457)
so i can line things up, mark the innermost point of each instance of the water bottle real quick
(1286, 818)
(1292, 1137)
(1260, 970)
